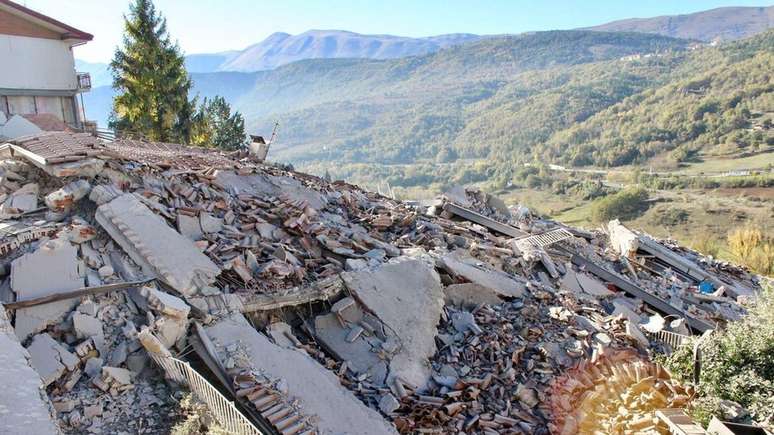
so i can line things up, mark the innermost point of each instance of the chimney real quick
(258, 147)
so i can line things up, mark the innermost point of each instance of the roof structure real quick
(67, 33)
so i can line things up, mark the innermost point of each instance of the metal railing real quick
(673, 339)
(221, 408)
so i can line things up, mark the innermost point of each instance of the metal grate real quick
(673, 339)
(544, 239)
(223, 409)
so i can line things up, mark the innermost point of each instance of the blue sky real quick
(205, 26)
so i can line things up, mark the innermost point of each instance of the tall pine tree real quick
(150, 79)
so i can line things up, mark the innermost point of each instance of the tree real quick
(150, 79)
(215, 126)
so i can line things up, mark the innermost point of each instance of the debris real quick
(476, 272)
(63, 272)
(156, 247)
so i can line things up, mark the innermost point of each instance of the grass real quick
(715, 164)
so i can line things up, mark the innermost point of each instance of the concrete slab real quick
(407, 297)
(581, 282)
(22, 200)
(189, 227)
(24, 405)
(470, 295)
(459, 264)
(155, 246)
(317, 390)
(50, 359)
(53, 268)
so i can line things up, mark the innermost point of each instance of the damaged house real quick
(39, 86)
(318, 307)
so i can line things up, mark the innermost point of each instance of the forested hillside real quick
(397, 111)
(577, 98)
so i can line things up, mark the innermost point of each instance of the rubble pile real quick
(371, 315)
(619, 393)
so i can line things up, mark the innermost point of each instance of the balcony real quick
(84, 81)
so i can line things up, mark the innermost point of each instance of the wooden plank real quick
(85, 291)
(628, 287)
(480, 219)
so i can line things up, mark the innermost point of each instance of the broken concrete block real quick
(388, 404)
(407, 297)
(633, 331)
(470, 295)
(210, 224)
(92, 410)
(116, 375)
(50, 359)
(64, 198)
(24, 405)
(170, 330)
(359, 354)
(104, 193)
(22, 200)
(137, 362)
(79, 231)
(63, 273)
(580, 282)
(459, 264)
(165, 303)
(105, 272)
(93, 367)
(87, 326)
(88, 307)
(156, 247)
(189, 227)
(317, 391)
(463, 321)
(282, 334)
(65, 405)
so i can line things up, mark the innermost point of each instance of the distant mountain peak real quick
(725, 24)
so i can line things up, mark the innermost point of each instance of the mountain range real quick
(468, 97)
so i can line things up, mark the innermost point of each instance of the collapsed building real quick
(318, 307)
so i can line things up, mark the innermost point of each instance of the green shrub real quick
(737, 364)
(626, 204)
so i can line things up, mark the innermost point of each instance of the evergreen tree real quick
(150, 79)
(215, 126)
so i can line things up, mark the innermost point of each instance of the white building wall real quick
(36, 63)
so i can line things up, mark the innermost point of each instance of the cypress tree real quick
(150, 79)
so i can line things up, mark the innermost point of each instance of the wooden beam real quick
(322, 290)
(76, 293)
(480, 219)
